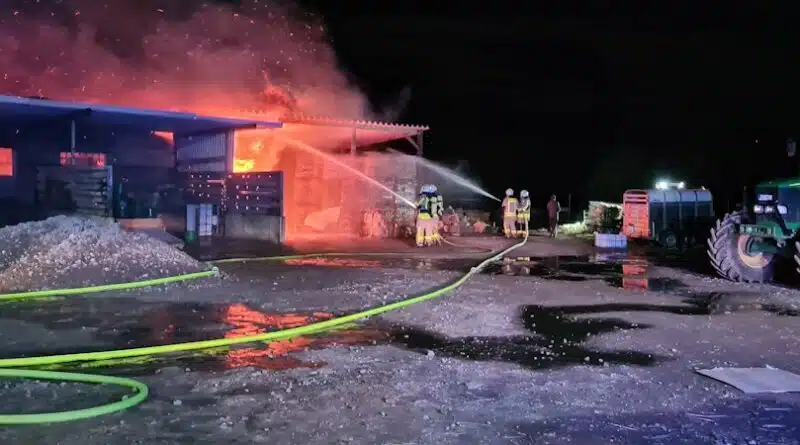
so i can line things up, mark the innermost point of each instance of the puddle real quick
(621, 270)
(724, 303)
(365, 262)
(557, 340)
(654, 284)
(557, 334)
(177, 323)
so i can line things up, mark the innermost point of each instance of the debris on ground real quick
(69, 251)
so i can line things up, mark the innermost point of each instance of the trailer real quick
(672, 218)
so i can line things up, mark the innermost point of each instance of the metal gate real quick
(254, 207)
(74, 189)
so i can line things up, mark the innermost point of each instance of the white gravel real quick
(68, 251)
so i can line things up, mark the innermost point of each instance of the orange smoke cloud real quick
(207, 59)
(261, 59)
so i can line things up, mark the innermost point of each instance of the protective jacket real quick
(510, 205)
(426, 205)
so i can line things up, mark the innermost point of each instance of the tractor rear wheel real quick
(731, 254)
(797, 255)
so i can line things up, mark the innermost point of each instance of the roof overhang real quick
(25, 110)
(329, 133)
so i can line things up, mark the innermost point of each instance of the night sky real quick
(566, 97)
(585, 100)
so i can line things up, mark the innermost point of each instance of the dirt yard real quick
(558, 344)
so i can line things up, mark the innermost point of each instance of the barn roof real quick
(14, 109)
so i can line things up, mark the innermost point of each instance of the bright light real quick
(666, 185)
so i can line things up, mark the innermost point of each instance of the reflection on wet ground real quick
(557, 334)
(623, 270)
(626, 271)
(359, 262)
(177, 323)
(618, 270)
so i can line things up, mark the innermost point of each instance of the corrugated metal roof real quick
(359, 124)
(26, 110)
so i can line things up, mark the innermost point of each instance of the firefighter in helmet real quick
(509, 207)
(437, 212)
(425, 210)
(523, 213)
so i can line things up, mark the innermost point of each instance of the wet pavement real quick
(556, 335)
(112, 323)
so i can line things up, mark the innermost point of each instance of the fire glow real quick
(262, 60)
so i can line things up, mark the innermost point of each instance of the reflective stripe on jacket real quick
(510, 205)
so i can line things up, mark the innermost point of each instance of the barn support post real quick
(72, 137)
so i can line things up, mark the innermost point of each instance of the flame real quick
(243, 165)
(264, 60)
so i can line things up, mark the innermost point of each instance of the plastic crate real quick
(610, 241)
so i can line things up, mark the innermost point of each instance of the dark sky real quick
(586, 100)
(576, 97)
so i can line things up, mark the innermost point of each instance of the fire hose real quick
(9, 368)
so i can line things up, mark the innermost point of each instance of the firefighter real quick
(509, 206)
(424, 216)
(523, 213)
(437, 212)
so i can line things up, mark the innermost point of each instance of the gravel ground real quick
(68, 251)
(546, 350)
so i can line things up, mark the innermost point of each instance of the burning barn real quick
(61, 157)
(244, 178)
(330, 168)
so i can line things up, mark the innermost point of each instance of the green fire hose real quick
(141, 390)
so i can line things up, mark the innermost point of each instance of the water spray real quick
(451, 175)
(303, 146)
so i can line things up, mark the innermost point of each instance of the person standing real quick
(424, 216)
(553, 209)
(523, 213)
(509, 206)
(437, 210)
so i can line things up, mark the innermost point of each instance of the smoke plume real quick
(173, 54)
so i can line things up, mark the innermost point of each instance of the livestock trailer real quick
(672, 217)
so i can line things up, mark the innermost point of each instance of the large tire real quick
(727, 250)
(797, 255)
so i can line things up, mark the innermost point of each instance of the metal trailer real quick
(671, 218)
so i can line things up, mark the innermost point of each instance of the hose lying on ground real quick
(141, 389)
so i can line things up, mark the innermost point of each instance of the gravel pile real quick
(68, 251)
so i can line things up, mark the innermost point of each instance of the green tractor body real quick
(749, 246)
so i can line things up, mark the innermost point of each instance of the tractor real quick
(751, 245)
